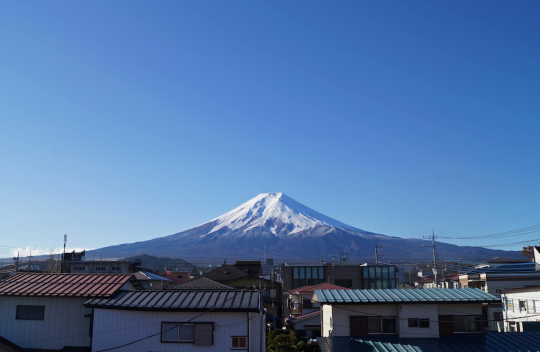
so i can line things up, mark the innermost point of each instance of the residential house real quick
(350, 276)
(150, 281)
(496, 279)
(241, 278)
(521, 309)
(178, 321)
(302, 315)
(46, 311)
(101, 267)
(418, 313)
(177, 277)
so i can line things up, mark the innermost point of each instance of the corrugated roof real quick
(146, 276)
(180, 301)
(323, 286)
(64, 285)
(404, 296)
(497, 341)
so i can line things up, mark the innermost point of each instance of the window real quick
(381, 325)
(177, 332)
(179, 276)
(307, 275)
(100, 268)
(200, 334)
(30, 313)
(377, 277)
(522, 305)
(238, 342)
(510, 305)
(418, 323)
(536, 306)
(79, 268)
(465, 324)
(115, 268)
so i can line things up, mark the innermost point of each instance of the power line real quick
(488, 222)
(179, 324)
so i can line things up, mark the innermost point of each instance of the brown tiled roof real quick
(63, 285)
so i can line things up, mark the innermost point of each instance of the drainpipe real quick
(248, 332)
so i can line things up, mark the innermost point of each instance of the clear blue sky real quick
(128, 120)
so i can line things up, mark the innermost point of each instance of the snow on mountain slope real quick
(275, 212)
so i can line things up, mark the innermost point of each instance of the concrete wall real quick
(117, 327)
(91, 265)
(64, 323)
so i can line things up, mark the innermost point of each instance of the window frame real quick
(381, 326)
(178, 326)
(509, 305)
(187, 323)
(523, 308)
(418, 327)
(17, 313)
(239, 337)
(467, 317)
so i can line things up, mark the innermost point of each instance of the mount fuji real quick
(276, 226)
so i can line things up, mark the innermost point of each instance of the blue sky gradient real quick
(129, 120)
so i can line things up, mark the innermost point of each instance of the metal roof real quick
(404, 296)
(497, 341)
(63, 285)
(181, 301)
(146, 276)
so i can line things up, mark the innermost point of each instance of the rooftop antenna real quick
(377, 254)
(342, 259)
(64, 253)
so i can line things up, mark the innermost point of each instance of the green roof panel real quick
(404, 296)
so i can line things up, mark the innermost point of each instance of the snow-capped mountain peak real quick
(276, 212)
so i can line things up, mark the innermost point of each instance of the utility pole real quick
(410, 279)
(433, 245)
(63, 254)
(377, 255)
(29, 261)
(17, 262)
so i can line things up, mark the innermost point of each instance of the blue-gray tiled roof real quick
(497, 341)
(239, 301)
(404, 296)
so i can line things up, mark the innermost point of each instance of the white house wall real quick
(515, 315)
(114, 327)
(64, 323)
(422, 311)
(336, 318)
(340, 316)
